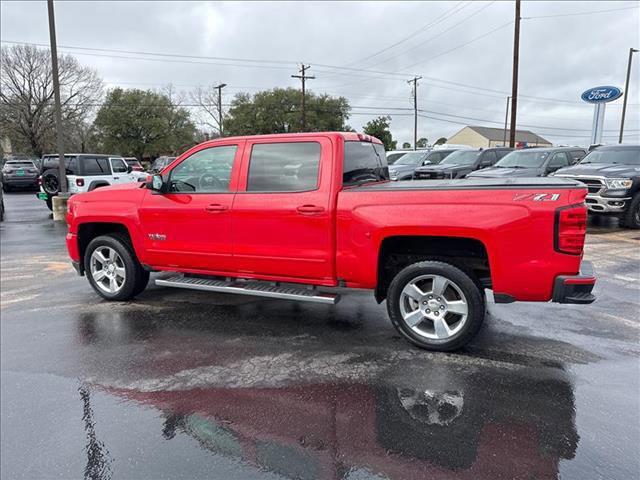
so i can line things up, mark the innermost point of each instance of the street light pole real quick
(62, 172)
(219, 88)
(626, 93)
(506, 118)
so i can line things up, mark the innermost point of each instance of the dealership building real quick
(484, 137)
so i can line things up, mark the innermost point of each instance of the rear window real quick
(284, 167)
(21, 164)
(364, 162)
(70, 162)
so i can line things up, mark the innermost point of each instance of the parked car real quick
(404, 168)
(159, 163)
(612, 175)
(534, 162)
(394, 155)
(135, 165)
(19, 174)
(85, 172)
(460, 163)
(334, 220)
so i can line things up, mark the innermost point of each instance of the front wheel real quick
(113, 269)
(631, 218)
(435, 305)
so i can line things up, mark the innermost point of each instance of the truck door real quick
(189, 226)
(282, 218)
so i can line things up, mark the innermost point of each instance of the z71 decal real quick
(537, 197)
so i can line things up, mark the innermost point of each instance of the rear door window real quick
(576, 155)
(284, 167)
(96, 166)
(364, 162)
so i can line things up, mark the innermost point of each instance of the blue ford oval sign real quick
(601, 94)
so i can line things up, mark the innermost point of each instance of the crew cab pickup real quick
(305, 216)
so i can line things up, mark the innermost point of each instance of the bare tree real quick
(206, 101)
(26, 97)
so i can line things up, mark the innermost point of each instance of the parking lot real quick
(185, 384)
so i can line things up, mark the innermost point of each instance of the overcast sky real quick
(463, 51)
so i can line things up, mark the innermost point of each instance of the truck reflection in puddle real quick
(410, 417)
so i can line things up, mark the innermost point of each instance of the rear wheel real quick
(435, 305)
(113, 269)
(631, 218)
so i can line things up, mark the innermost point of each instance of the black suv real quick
(612, 175)
(532, 162)
(461, 162)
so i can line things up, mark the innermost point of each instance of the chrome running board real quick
(250, 287)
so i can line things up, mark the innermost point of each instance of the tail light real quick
(570, 229)
(80, 182)
(39, 181)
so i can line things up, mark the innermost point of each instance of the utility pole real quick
(219, 88)
(62, 172)
(415, 111)
(626, 93)
(506, 118)
(303, 77)
(514, 84)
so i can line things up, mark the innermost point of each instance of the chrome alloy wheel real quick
(434, 307)
(107, 269)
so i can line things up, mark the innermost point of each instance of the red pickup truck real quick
(303, 216)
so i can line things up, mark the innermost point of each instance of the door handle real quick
(215, 207)
(309, 209)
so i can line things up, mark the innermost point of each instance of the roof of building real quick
(497, 135)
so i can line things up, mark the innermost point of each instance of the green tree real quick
(379, 128)
(136, 122)
(406, 145)
(422, 142)
(279, 111)
(441, 141)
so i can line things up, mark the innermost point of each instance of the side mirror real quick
(155, 183)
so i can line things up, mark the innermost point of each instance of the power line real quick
(580, 13)
(441, 18)
(421, 44)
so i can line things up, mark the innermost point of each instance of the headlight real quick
(618, 183)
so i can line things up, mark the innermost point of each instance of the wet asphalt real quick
(181, 384)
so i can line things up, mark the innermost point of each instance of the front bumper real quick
(575, 288)
(599, 204)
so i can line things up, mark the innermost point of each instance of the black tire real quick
(51, 181)
(466, 286)
(631, 218)
(136, 277)
(49, 203)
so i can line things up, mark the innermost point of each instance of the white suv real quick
(85, 172)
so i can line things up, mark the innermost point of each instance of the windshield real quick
(624, 156)
(413, 158)
(461, 157)
(364, 162)
(393, 157)
(523, 159)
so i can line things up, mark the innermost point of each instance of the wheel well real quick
(96, 184)
(468, 254)
(89, 231)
